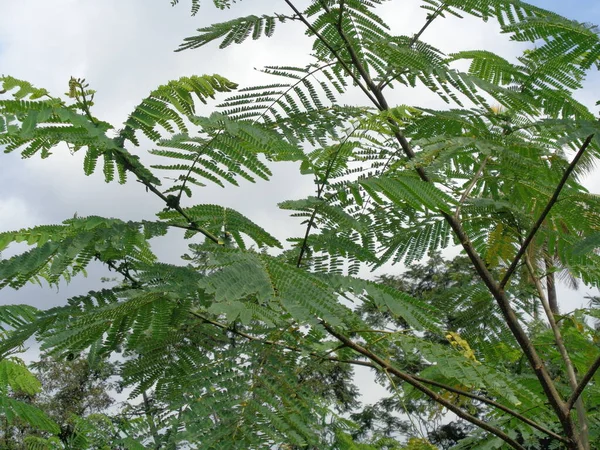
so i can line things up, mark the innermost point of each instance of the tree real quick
(74, 393)
(232, 347)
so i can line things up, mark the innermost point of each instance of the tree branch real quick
(333, 51)
(430, 18)
(479, 398)
(320, 189)
(502, 300)
(471, 185)
(151, 424)
(583, 383)
(560, 344)
(421, 387)
(545, 212)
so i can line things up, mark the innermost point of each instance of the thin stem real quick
(430, 18)
(151, 424)
(470, 187)
(560, 344)
(583, 383)
(267, 109)
(193, 225)
(320, 190)
(479, 398)
(333, 51)
(545, 212)
(495, 404)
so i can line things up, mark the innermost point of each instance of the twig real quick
(560, 344)
(471, 185)
(151, 424)
(267, 109)
(545, 212)
(430, 18)
(320, 189)
(583, 383)
(332, 50)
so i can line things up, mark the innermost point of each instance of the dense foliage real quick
(250, 343)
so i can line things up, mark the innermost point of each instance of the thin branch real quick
(583, 383)
(193, 225)
(502, 300)
(495, 404)
(430, 18)
(333, 51)
(479, 398)
(267, 109)
(470, 187)
(151, 424)
(320, 190)
(545, 212)
(385, 365)
(244, 335)
(560, 344)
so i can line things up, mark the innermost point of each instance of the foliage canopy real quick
(240, 341)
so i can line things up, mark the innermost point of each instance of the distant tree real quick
(72, 388)
(70, 391)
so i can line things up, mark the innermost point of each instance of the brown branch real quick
(479, 398)
(562, 349)
(498, 293)
(545, 212)
(333, 51)
(430, 18)
(470, 187)
(583, 383)
(421, 387)
(193, 225)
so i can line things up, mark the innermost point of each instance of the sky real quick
(124, 49)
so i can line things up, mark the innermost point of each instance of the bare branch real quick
(560, 344)
(545, 212)
(333, 51)
(583, 383)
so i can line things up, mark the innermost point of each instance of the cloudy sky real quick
(124, 48)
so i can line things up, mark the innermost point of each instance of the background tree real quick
(69, 391)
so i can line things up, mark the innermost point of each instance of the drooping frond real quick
(16, 316)
(169, 105)
(417, 314)
(63, 251)
(195, 7)
(226, 222)
(275, 283)
(234, 31)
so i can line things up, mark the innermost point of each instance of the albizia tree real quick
(240, 343)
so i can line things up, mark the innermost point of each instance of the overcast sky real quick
(124, 48)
